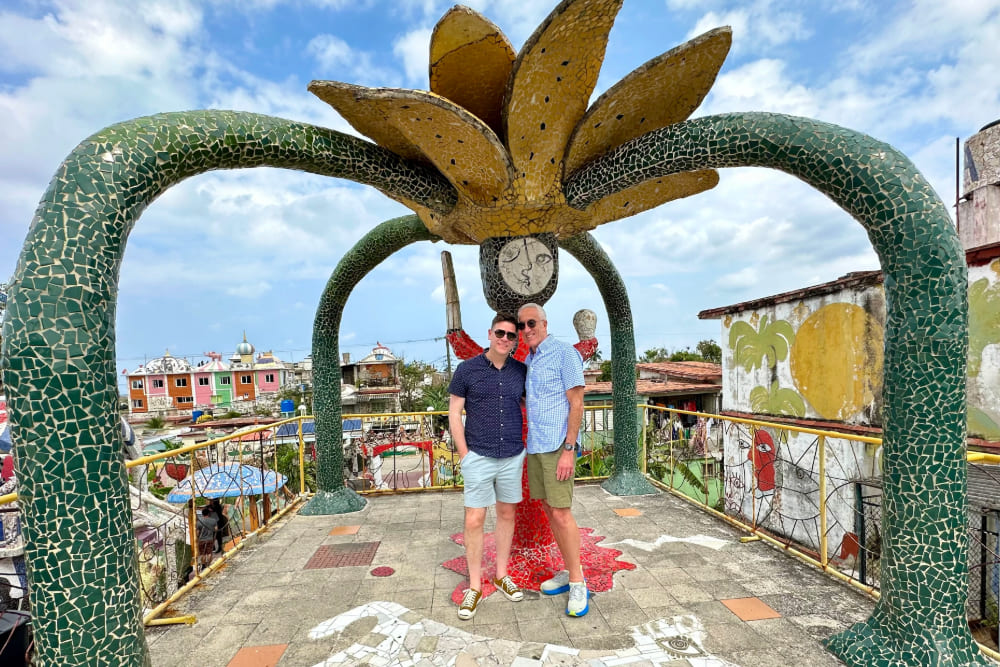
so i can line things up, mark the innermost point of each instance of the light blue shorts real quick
(488, 480)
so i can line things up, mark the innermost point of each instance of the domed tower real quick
(979, 208)
(245, 350)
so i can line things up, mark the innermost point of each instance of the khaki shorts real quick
(542, 482)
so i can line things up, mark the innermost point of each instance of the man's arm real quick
(567, 460)
(455, 406)
(575, 397)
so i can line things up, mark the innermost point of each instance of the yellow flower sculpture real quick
(508, 129)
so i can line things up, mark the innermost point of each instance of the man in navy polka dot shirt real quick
(490, 388)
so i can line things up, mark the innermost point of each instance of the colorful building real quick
(170, 385)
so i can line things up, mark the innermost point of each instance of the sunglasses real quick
(530, 324)
(500, 333)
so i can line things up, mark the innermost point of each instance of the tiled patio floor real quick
(698, 596)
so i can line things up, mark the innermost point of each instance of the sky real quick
(251, 250)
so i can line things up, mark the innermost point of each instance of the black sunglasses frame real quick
(500, 333)
(531, 324)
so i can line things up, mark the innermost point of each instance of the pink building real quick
(270, 372)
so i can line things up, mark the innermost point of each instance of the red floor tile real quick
(258, 656)
(343, 555)
(750, 609)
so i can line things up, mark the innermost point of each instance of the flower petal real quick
(460, 145)
(471, 60)
(665, 90)
(351, 102)
(650, 194)
(549, 88)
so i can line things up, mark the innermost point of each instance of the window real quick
(225, 379)
(202, 382)
(184, 399)
(269, 377)
(137, 403)
(157, 384)
(137, 384)
(181, 382)
(246, 395)
(246, 379)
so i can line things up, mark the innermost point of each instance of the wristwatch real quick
(569, 446)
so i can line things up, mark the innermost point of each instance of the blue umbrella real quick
(227, 481)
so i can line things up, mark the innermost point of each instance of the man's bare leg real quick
(475, 517)
(567, 534)
(504, 535)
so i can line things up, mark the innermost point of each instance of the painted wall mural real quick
(984, 350)
(815, 358)
(833, 368)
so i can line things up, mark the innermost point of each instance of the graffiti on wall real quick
(984, 351)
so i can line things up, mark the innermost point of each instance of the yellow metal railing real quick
(194, 457)
(821, 559)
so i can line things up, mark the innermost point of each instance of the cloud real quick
(413, 49)
(758, 25)
(738, 280)
(249, 290)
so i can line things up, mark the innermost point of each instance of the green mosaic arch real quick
(920, 618)
(59, 360)
(374, 248)
(627, 479)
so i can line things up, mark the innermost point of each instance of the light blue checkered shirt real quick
(553, 368)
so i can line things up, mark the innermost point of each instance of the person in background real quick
(490, 388)
(554, 390)
(206, 535)
(222, 529)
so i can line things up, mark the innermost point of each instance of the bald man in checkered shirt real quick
(554, 396)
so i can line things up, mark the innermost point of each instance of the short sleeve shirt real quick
(553, 368)
(492, 405)
(206, 527)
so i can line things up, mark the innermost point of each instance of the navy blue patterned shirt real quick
(492, 405)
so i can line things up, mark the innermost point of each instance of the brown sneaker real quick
(510, 590)
(469, 603)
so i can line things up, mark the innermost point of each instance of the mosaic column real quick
(627, 479)
(920, 618)
(375, 247)
(59, 357)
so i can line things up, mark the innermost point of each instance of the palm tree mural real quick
(777, 400)
(769, 343)
(502, 149)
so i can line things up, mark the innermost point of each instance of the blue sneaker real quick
(578, 603)
(556, 585)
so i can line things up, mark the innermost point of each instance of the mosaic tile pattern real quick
(920, 619)
(59, 359)
(377, 245)
(404, 638)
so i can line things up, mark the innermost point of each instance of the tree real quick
(710, 351)
(605, 375)
(411, 383)
(654, 355)
(434, 397)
